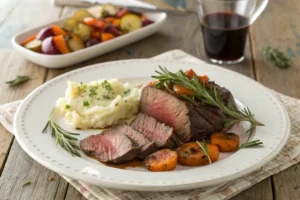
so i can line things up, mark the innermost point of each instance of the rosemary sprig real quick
(251, 144)
(18, 81)
(63, 137)
(204, 149)
(277, 57)
(208, 96)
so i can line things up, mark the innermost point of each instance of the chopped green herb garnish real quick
(86, 103)
(68, 106)
(82, 88)
(106, 86)
(27, 183)
(106, 97)
(116, 104)
(126, 91)
(93, 90)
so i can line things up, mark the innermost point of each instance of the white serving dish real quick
(65, 60)
(33, 114)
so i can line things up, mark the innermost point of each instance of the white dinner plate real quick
(65, 60)
(33, 114)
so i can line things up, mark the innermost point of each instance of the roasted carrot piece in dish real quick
(226, 142)
(61, 44)
(162, 160)
(190, 154)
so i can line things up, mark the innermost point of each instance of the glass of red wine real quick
(225, 25)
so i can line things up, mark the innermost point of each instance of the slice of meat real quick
(146, 145)
(188, 121)
(111, 146)
(158, 132)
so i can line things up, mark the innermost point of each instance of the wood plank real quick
(21, 168)
(12, 65)
(284, 34)
(62, 189)
(26, 14)
(287, 184)
(74, 194)
(261, 190)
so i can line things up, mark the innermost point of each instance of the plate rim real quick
(145, 187)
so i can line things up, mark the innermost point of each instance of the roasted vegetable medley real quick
(85, 29)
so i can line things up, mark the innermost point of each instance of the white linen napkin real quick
(289, 156)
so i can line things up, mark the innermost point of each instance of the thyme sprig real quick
(251, 144)
(276, 57)
(209, 96)
(63, 138)
(204, 149)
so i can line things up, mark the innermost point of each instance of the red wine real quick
(225, 35)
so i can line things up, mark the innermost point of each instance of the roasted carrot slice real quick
(28, 40)
(190, 154)
(58, 31)
(108, 19)
(94, 22)
(116, 23)
(106, 36)
(162, 160)
(61, 44)
(179, 89)
(226, 142)
(143, 18)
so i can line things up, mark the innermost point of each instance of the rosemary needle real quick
(204, 149)
(251, 144)
(27, 183)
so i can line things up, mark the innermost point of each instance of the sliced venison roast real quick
(159, 133)
(146, 145)
(190, 122)
(111, 146)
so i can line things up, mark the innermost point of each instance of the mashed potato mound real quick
(98, 104)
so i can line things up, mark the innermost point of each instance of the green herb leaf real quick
(106, 97)
(86, 103)
(251, 144)
(207, 95)
(126, 91)
(93, 90)
(18, 81)
(204, 149)
(68, 106)
(27, 183)
(277, 57)
(105, 84)
(63, 138)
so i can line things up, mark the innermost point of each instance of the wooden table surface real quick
(279, 26)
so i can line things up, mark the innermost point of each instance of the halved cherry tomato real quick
(121, 12)
(179, 89)
(151, 83)
(190, 73)
(94, 22)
